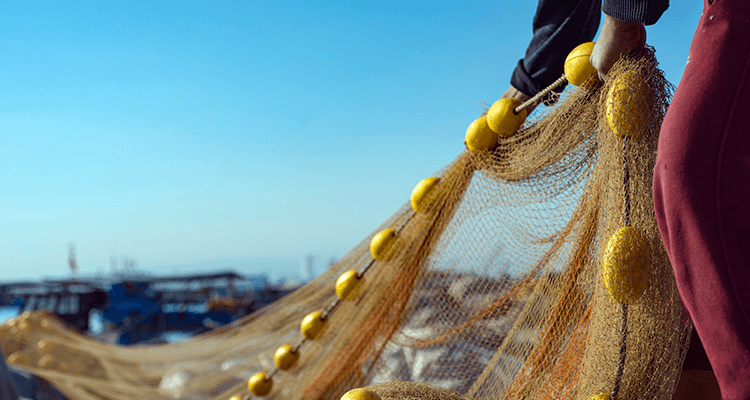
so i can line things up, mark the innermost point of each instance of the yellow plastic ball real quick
(312, 325)
(479, 136)
(501, 118)
(347, 285)
(628, 102)
(45, 346)
(382, 243)
(46, 361)
(47, 324)
(600, 396)
(421, 192)
(285, 357)
(23, 325)
(578, 69)
(18, 358)
(625, 263)
(259, 385)
(360, 394)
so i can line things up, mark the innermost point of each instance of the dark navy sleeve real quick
(559, 26)
(646, 12)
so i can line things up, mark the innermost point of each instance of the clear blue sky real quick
(208, 135)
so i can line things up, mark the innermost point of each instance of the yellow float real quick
(578, 68)
(479, 136)
(45, 346)
(312, 325)
(382, 243)
(625, 265)
(46, 361)
(347, 285)
(360, 394)
(285, 357)
(502, 119)
(259, 385)
(18, 358)
(420, 194)
(628, 101)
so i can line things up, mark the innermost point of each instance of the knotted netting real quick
(531, 271)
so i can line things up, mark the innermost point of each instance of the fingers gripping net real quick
(533, 271)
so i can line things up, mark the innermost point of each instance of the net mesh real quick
(503, 286)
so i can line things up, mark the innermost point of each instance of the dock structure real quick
(137, 309)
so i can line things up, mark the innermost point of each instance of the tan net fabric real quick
(494, 291)
(414, 391)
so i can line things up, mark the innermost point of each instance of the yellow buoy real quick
(382, 243)
(360, 394)
(18, 358)
(259, 385)
(501, 118)
(285, 357)
(45, 346)
(312, 325)
(347, 285)
(23, 325)
(625, 263)
(628, 101)
(46, 361)
(578, 68)
(420, 194)
(46, 324)
(479, 136)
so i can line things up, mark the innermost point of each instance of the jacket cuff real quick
(645, 12)
(529, 86)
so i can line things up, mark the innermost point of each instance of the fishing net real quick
(531, 271)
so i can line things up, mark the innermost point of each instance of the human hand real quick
(518, 95)
(616, 38)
